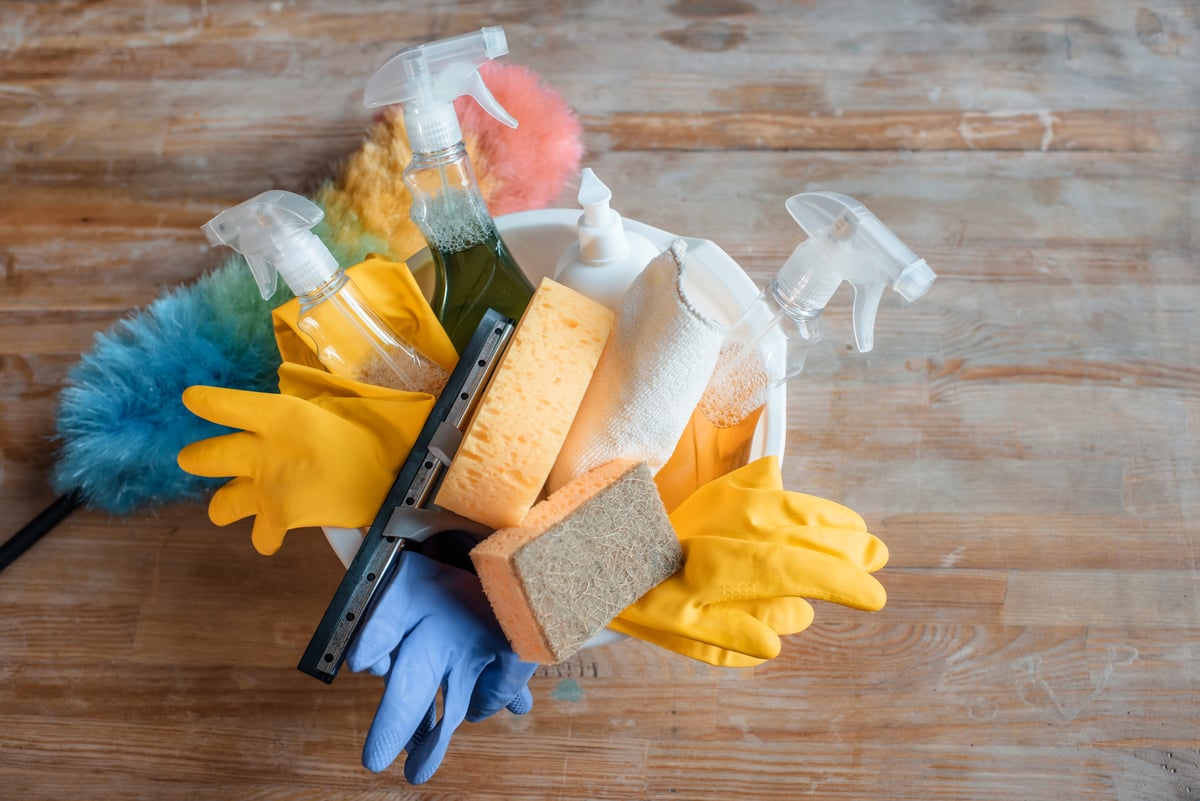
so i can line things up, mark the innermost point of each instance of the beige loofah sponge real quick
(578, 560)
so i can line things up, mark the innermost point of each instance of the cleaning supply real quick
(408, 514)
(432, 629)
(522, 420)
(321, 453)
(578, 558)
(606, 259)
(753, 553)
(768, 345)
(650, 376)
(273, 231)
(120, 420)
(330, 459)
(473, 269)
(395, 297)
(517, 170)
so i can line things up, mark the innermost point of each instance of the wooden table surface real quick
(1026, 438)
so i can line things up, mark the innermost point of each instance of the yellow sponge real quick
(523, 418)
(579, 558)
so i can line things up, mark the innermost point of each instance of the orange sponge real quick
(577, 560)
(524, 416)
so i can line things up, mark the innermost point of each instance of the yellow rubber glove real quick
(753, 552)
(326, 450)
(394, 294)
(324, 453)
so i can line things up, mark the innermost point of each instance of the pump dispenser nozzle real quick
(427, 78)
(601, 236)
(607, 257)
(846, 242)
(273, 231)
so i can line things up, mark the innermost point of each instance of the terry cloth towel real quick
(658, 360)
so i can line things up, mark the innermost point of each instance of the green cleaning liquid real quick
(473, 268)
(470, 281)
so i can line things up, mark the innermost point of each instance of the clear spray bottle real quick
(474, 269)
(273, 231)
(768, 345)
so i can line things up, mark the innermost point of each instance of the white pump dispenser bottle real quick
(607, 257)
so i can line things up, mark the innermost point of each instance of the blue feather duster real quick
(121, 419)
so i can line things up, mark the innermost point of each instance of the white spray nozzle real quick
(846, 242)
(427, 78)
(273, 232)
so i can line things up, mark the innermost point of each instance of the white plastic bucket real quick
(721, 290)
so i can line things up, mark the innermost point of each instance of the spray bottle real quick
(474, 269)
(767, 346)
(606, 259)
(273, 231)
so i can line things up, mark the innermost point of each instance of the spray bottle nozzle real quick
(273, 231)
(846, 242)
(427, 78)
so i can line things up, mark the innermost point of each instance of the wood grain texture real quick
(1024, 438)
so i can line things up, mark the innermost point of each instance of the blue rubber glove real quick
(432, 627)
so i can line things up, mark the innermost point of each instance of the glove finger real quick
(233, 454)
(752, 498)
(411, 688)
(719, 493)
(725, 570)
(424, 761)
(711, 654)
(819, 576)
(860, 548)
(386, 623)
(701, 615)
(266, 535)
(423, 729)
(499, 685)
(809, 510)
(522, 703)
(783, 616)
(233, 501)
(730, 628)
(235, 408)
(380, 667)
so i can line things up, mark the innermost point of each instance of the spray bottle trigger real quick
(264, 275)
(477, 88)
(867, 295)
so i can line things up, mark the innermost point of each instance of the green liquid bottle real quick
(475, 271)
(473, 268)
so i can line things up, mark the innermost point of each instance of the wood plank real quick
(1104, 598)
(1044, 130)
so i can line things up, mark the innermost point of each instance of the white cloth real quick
(658, 360)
